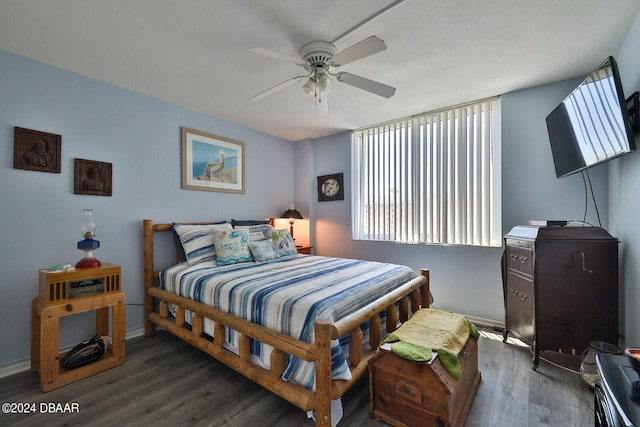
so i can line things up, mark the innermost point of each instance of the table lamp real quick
(89, 244)
(292, 214)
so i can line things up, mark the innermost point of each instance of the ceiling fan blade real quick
(373, 17)
(276, 88)
(277, 55)
(322, 105)
(359, 50)
(366, 84)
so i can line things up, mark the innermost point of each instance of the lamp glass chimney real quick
(88, 224)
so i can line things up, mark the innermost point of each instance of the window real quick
(432, 178)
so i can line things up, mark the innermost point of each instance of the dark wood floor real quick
(165, 382)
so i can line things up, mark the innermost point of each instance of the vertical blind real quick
(432, 178)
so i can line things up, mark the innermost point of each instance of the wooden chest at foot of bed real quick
(406, 393)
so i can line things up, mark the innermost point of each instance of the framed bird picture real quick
(212, 163)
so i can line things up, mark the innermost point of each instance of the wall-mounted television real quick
(592, 125)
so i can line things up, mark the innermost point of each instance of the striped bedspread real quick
(288, 295)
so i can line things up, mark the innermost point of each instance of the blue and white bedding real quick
(288, 295)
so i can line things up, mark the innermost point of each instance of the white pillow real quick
(197, 240)
(232, 247)
(262, 250)
(282, 242)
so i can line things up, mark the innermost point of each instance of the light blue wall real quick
(530, 189)
(624, 187)
(141, 137)
(468, 279)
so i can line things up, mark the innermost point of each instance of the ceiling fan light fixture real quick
(310, 86)
(325, 83)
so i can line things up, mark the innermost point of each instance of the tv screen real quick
(592, 124)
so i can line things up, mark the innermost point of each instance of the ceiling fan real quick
(321, 59)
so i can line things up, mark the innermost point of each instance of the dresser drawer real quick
(520, 256)
(519, 299)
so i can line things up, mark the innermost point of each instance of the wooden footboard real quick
(417, 291)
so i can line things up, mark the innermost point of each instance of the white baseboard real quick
(25, 365)
(15, 368)
(486, 322)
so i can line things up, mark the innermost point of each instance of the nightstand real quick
(67, 293)
(304, 249)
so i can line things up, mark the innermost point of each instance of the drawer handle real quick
(583, 263)
(514, 257)
(517, 293)
(523, 259)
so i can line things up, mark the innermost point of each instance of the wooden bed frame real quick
(319, 352)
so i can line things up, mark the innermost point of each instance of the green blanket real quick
(433, 330)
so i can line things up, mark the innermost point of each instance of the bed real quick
(310, 362)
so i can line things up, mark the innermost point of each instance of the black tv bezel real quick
(553, 139)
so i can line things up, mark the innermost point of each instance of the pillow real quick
(256, 232)
(178, 244)
(196, 241)
(262, 250)
(231, 247)
(247, 222)
(282, 242)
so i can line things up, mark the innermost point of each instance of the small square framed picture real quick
(92, 177)
(330, 187)
(36, 151)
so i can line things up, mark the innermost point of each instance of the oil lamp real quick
(89, 244)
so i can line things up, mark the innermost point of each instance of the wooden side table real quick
(304, 249)
(45, 356)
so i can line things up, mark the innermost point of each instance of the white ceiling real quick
(194, 52)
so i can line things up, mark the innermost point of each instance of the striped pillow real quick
(256, 232)
(197, 240)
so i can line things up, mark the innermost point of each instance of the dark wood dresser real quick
(560, 287)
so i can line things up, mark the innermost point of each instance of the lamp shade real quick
(292, 213)
(326, 86)
(310, 86)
